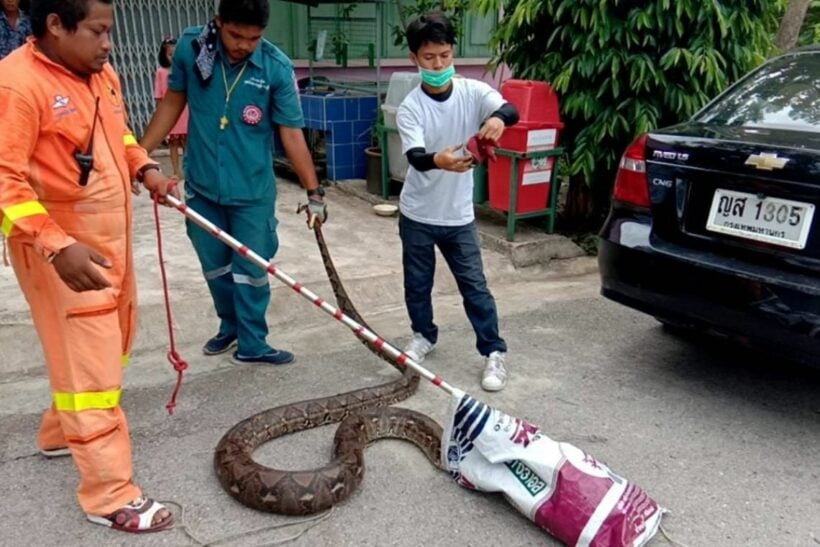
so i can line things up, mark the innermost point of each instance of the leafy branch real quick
(409, 10)
(624, 68)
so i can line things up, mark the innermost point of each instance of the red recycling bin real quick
(535, 101)
(538, 129)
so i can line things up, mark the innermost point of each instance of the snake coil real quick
(365, 417)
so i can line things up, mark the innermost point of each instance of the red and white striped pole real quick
(359, 330)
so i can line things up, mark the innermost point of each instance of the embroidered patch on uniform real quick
(258, 83)
(60, 102)
(113, 97)
(252, 115)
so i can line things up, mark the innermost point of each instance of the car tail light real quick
(631, 183)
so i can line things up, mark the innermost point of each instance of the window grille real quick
(139, 28)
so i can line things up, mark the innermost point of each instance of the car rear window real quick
(784, 94)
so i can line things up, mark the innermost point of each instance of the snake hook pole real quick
(359, 330)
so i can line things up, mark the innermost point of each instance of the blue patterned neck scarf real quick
(205, 49)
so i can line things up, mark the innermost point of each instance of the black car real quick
(714, 222)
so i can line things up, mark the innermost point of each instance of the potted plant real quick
(340, 39)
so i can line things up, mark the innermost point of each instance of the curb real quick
(531, 246)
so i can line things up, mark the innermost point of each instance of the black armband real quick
(507, 114)
(420, 159)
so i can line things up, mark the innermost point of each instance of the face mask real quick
(437, 78)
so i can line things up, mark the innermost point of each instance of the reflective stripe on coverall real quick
(47, 114)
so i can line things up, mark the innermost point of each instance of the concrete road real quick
(727, 440)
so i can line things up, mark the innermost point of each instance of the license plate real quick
(772, 220)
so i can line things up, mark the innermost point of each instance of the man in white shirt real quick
(435, 120)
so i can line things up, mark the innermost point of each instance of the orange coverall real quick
(47, 114)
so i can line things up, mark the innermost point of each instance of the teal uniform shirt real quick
(234, 165)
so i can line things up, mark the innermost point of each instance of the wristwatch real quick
(144, 169)
(319, 190)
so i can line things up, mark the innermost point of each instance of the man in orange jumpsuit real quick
(67, 159)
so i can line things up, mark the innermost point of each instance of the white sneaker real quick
(418, 347)
(495, 373)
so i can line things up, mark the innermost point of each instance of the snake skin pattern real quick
(365, 417)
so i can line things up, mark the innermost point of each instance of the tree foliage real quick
(408, 10)
(623, 68)
(811, 25)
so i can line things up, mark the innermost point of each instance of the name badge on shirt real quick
(252, 115)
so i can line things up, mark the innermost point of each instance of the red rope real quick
(174, 358)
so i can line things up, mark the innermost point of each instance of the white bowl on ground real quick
(385, 209)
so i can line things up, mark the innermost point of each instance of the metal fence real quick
(140, 26)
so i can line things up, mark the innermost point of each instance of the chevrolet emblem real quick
(766, 162)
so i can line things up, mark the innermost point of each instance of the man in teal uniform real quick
(239, 88)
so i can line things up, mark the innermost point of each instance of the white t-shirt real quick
(440, 197)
